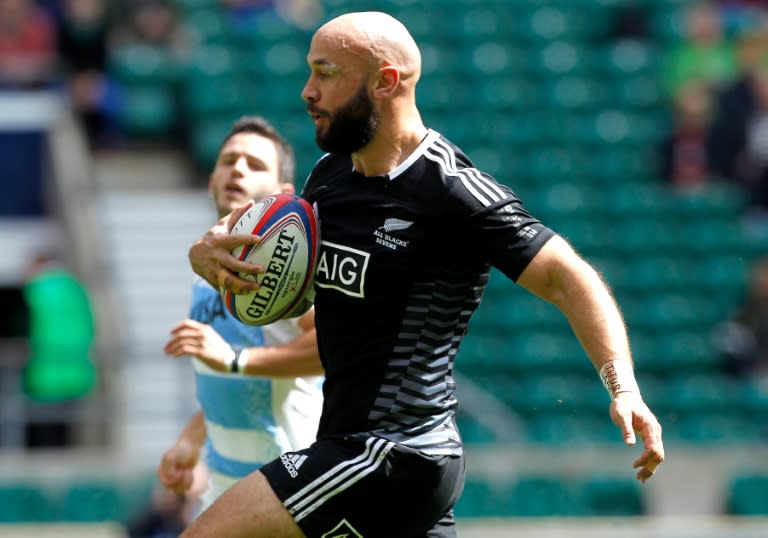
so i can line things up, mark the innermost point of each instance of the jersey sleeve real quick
(500, 229)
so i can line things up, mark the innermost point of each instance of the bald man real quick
(410, 230)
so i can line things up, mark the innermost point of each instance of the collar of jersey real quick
(403, 166)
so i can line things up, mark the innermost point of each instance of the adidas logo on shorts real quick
(292, 462)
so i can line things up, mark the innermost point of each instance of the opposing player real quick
(409, 229)
(258, 387)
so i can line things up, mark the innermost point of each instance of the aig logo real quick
(341, 268)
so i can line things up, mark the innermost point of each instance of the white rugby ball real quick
(288, 227)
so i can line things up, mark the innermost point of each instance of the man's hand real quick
(630, 413)
(199, 340)
(176, 469)
(211, 256)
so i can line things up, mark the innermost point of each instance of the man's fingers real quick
(187, 324)
(623, 420)
(650, 432)
(235, 215)
(652, 456)
(630, 414)
(187, 331)
(185, 348)
(236, 284)
(181, 339)
(648, 462)
(176, 471)
(222, 278)
(226, 244)
(232, 241)
(211, 257)
(179, 484)
(181, 349)
(644, 474)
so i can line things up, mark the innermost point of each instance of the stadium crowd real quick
(712, 76)
(715, 78)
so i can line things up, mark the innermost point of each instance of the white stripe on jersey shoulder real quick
(418, 152)
(483, 189)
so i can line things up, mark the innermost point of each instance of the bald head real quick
(378, 39)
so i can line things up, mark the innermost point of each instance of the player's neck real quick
(392, 145)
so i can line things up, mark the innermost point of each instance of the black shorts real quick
(364, 486)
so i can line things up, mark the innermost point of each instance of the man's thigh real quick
(248, 509)
(368, 487)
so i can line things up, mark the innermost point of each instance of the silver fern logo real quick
(393, 225)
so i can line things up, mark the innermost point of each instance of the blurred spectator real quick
(741, 16)
(61, 333)
(247, 8)
(84, 31)
(59, 370)
(630, 22)
(739, 134)
(154, 23)
(28, 58)
(683, 153)
(148, 53)
(703, 55)
(743, 340)
(304, 14)
(245, 14)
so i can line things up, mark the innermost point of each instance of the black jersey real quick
(403, 262)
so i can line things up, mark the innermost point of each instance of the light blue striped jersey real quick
(250, 420)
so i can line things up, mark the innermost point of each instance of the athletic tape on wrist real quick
(618, 377)
(242, 360)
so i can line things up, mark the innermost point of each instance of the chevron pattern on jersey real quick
(416, 403)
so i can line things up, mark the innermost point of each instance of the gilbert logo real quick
(341, 268)
(342, 530)
(383, 237)
(292, 462)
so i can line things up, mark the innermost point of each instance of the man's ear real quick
(387, 81)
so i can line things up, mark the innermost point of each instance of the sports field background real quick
(551, 98)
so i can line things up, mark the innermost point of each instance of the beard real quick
(351, 127)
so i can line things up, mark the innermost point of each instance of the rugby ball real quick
(288, 227)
